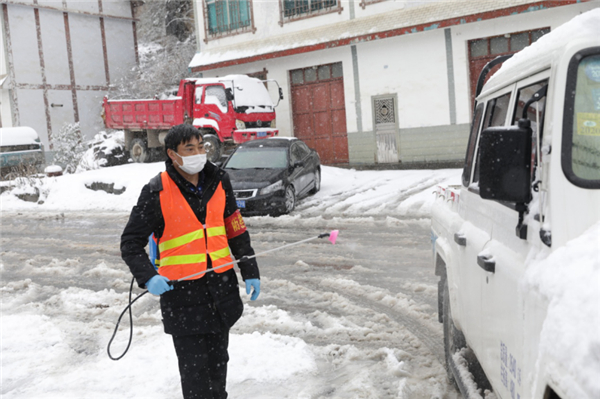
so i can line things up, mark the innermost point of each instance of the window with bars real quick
(227, 17)
(506, 44)
(316, 74)
(298, 9)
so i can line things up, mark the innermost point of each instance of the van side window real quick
(495, 115)
(466, 176)
(535, 113)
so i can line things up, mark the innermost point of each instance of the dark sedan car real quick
(268, 176)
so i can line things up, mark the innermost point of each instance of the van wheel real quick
(213, 147)
(138, 150)
(454, 340)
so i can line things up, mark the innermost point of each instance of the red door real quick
(319, 113)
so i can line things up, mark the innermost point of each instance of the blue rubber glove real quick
(158, 285)
(253, 283)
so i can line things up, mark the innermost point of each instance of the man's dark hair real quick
(180, 134)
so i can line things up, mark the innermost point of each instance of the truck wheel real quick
(213, 148)
(454, 340)
(138, 151)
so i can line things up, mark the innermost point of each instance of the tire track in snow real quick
(331, 312)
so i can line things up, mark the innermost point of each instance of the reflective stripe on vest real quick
(186, 242)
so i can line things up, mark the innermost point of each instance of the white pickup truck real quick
(517, 245)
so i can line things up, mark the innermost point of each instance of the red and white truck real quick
(229, 110)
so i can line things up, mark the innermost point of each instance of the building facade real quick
(58, 59)
(372, 81)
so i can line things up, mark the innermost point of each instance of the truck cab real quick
(530, 186)
(233, 109)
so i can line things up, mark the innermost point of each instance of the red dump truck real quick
(229, 111)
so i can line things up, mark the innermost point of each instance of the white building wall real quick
(73, 90)
(56, 58)
(414, 68)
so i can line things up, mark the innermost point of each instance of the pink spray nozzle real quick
(333, 236)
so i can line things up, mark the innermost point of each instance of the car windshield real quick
(258, 158)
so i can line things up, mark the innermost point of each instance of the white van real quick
(517, 245)
(21, 151)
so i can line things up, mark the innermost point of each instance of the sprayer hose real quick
(128, 307)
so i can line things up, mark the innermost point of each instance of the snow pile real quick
(569, 279)
(345, 192)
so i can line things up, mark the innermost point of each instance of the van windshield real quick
(584, 129)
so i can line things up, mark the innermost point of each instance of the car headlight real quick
(239, 125)
(273, 124)
(272, 188)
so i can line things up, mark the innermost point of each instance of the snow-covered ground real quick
(63, 289)
(344, 192)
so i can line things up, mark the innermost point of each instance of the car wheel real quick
(138, 150)
(317, 186)
(290, 199)
(213, 147)
(454, 340)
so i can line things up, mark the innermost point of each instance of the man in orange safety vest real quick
(191, 210)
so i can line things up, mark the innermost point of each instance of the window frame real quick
(568, 117)
(510, 89)
(310, 14)
(472, 144)
(230, 32)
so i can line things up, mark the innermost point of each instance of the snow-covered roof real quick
(549, 47)
(391, 23)
(18, 136)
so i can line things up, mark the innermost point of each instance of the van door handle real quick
(487, 263)
(460, 239)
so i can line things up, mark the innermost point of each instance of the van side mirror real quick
(505, 163)
(280, 93)
(229, 94)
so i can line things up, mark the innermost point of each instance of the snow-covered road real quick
(357, 319)
(353, 320)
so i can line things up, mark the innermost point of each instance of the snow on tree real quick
(167, 43)
(69, 147)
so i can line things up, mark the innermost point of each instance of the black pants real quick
(203, 364)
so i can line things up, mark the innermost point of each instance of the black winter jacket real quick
(209, 304)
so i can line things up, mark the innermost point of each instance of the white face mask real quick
(193, 164)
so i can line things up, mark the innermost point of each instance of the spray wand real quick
(332, 238)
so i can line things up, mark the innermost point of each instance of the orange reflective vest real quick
(185, 242)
